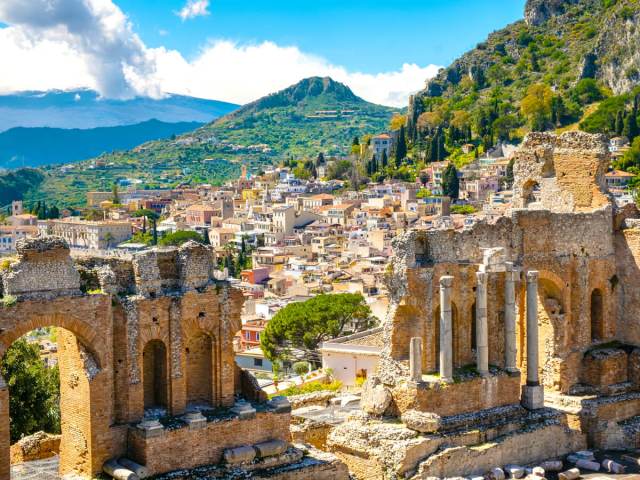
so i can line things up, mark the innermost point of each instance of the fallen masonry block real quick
(515, 471)
(538, 472)
(280, 404)
(117, 471)
(140, 470)
(588, 465)
(422, 422)
(495, 474)
(237, 455)
(612, 467)
(630, 459)
(571, 474)
(552, 465)
(585, 454)
(271, 448)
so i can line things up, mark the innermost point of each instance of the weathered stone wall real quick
(38, 446)
(178, 448)
(166, 296)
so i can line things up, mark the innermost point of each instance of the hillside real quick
(564, 56)
(85, 109)
(312, 116)
(15, 184)
(32, 147)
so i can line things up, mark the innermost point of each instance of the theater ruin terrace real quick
(513, 341)
(148, 378)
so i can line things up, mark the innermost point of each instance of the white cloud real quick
(194, 8)
(91, 43)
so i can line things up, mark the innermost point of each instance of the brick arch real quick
(85, 328)
(79, 327)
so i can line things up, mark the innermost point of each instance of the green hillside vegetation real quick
(537, 76)
(287, 123)
(17, 184)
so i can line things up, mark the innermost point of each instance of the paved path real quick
(37, 470)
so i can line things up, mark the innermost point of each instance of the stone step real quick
(493, 418)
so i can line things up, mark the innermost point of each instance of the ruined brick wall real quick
(180, 448)
(165, 297)
(568, 233)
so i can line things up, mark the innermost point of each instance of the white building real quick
(87, 234)
(353, 358)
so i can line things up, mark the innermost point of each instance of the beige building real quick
(87, 234)
(221, 236)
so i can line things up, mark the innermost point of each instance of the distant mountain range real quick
(30, 147)
(85, 109)
(315, 115)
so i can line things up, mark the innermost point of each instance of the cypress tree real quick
(619, 123)
(630, 129)
(385, 160)
(401, 147)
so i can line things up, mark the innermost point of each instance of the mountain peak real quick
(313, 93)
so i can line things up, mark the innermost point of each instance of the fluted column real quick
(415, 359)
(532, 392)
(510, 319)
(446, 334)
(482, 336)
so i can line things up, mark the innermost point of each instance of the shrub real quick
(310, 388)
(9, 301)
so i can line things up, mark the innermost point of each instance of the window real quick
(247, 335)
(257, 362)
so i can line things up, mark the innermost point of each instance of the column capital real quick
(482, 277)
(446, 281)
(532, 276)
(508, 266)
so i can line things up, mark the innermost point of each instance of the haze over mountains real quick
(39, 128)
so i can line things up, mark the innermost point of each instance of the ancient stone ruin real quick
(514, 341)
(148, 378)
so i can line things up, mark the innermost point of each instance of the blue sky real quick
(364, 35)
(239, 50)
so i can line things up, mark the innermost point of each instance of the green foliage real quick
(310, 387)
(14, 185)
(301, 368)
(631, 157)
(463, 209)
(34, 391)
(179, 237)
(298, 329)
(8, 301)
(423, 193)
(450, 182)
(586, 91)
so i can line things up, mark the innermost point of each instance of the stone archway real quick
(86, 382)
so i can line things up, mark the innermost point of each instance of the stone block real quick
(195, 420)
(271, 448)
(280, 404)
(602, 367)
(515, 471)
(532, 397)
(633, 367)
(244, 410)
(239, 455)
(151, 428)
(375, 398)
(423, 422)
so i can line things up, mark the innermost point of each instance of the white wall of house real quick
(346, 365)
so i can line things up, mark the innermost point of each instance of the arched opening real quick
(597, 320)
(154, 376)
(200, 368)
(49, 375)
(530, 194)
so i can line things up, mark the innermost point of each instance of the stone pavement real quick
(37, 470)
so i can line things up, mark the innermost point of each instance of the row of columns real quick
(532, 392)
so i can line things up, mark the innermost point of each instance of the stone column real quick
(532, 392)
(510, 340)
(415, 359)
(446, 334)
(482, 336)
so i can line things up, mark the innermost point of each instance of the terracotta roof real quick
(618, 173)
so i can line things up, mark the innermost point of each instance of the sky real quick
(238, 50)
